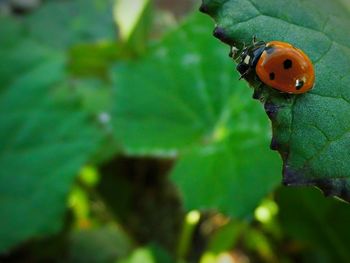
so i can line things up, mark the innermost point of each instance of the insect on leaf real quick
(311, 131)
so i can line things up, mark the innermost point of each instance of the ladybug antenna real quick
(254, 40)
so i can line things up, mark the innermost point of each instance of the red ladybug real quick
(278, 65)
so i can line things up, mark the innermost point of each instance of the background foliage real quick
(129, 138)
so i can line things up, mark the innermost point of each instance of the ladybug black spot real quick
(299, 84)
(287, 64)
(272, 76)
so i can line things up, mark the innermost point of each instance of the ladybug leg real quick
(233, 52)
(245, 74)
(230, 54)
(258, 92)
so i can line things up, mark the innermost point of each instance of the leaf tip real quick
(220, 33)
(210, 7)
(204, 8)
(290, 177)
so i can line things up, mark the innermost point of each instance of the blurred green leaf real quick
(232, 175)
(44, 142)
(175, 95)
(226, 237)
(150, 254)
(320, 224)
(20, 58)
(94, 94)
(101, 245)
(311, 131)
(94, 59)
(259, 243)
(61, 24)
(17, 53)
(183, 98)
(10, 31)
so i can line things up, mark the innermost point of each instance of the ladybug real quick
(278, 65)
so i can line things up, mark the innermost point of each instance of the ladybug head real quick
(249, 57)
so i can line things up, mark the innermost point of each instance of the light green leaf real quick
(184, 100)
(311, 131)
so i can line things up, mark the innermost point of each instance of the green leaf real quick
(10, 31)
(94, 59)
(311, 131)
(44, 142)
(95, 99)
(101, 245)
(183, 100)
(14, 51)
(232, 176)
(50, 125)
(61, 24)
(322, 229)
